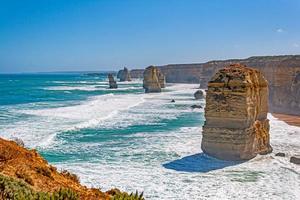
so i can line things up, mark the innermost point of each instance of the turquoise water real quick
(75, 121)
(134, 141)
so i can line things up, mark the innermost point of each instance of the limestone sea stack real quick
(124, 75)
(161, 78)
(152, 79)
(236, 126)
(112, 82)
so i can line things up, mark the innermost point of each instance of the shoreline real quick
(292, 120)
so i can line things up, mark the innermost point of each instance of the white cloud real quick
(279, 30)
(296, 45)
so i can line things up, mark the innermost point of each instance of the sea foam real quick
(129, 141)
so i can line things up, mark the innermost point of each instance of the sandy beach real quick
(289, 119)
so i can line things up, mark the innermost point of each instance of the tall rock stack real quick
(236, 126)
(124, 75)
(161, 78)
(152, 80)
(112, 82)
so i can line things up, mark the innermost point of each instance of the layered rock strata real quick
(161, 79)
(236, 126)
(112, 82)
(281, 72)
(152, 80)
(124, 75)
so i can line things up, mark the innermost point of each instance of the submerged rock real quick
(236, 126)
(112, 82)
(151, 81)
(124, 75)
(196, 106)
(280, 154)
(199, 94)
(295, 159)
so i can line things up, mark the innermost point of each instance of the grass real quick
(117, 195)
(44, 171)
(22, 175)
(13, 189)
(70, 175)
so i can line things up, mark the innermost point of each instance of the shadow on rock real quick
(199, 163)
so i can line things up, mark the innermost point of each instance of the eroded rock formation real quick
(124, 75)
(152, 81)
(281, 72)
(112, 82)
(199, 94)
(161, 79)
(236, 126)
(295, 159)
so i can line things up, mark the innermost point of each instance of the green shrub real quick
(126, 196)
(17, 190)
(22, 175)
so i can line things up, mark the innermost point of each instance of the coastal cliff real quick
(236, 126)
(282, 73)
(24, 174)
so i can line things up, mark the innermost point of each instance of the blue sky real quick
(71, 35)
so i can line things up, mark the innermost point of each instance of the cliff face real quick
(161, 79)
(236, 126)
(151, 81)
(27, 165)
(24, 174)
(280, 71)
(137, 73)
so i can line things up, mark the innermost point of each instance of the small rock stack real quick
(154, 80)
(124, 75)
(236, 126)
(112, 82)
(199, 94)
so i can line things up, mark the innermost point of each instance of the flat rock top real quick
(237, 75)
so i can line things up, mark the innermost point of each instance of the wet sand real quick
(289, 119)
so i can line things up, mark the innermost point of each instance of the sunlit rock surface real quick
(152, 80)
(236, 126)
(281, 72)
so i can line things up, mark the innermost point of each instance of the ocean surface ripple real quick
(134, 141)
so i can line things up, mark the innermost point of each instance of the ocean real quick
(130, 140)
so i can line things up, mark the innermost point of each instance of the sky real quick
(98, 35)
